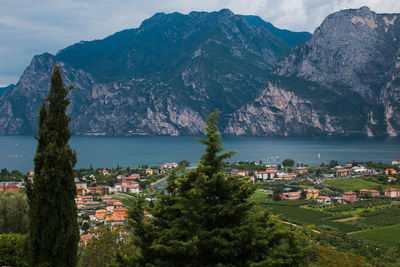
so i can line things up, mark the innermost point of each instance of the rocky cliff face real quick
(166, 76)
(343, 80)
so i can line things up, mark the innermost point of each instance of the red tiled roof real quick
(86, 237)
(343, 170)
(392, 189)
(349, 193)
(120, 209)
(129, 186)
(115, 219)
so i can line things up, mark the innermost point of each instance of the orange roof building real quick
(350, 196)
(100, 214)
(120, 212)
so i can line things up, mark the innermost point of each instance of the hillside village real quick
(105, 195)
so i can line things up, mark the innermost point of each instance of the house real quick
(99, 190)
(374, 193)
(101, 214)
(105, 172)
(268, 174)
(149, 171)
(343, 172)
(117, 203)
(85, 198)
(120, 212)
(131, 180)
(290, 195)
(364, 192)
(31, 173)
(81, 188)
(302, 170)
(392, 192)
(239, 172)
(92, 204)
(129, 188)
(349, 196)
(286, 176)
(169, 165)
(396, 162)
(391, 179)
(13, 188)
(106, 199)
(337, 200)
(324, 200)
(348, 165)
(390, 172)
(359, 170)
(312, 193)
(109, 207)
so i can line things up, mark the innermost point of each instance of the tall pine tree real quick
(207, 219)
(53, 231)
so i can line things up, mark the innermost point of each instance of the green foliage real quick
(303, 216)
(386, 235)
(207, 219)
(53, 230)
(13, 213)
(12, 250)
(183, 164)
(6, 176)
(288, 163)
(105, 247)
(353, 184)
(333, 163)
(382, 217)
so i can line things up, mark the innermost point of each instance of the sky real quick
(32, 27)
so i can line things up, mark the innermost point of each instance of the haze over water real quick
(17, 152)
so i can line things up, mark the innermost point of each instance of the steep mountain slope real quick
(6, 88)
(162, 78)
(292, 38)
(344, 80)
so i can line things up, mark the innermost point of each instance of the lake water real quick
(17, 152)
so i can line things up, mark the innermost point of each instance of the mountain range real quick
(166, 76)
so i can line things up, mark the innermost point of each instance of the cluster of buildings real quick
(270, 174)
(345, 197)
(11, 187)
(349, 170)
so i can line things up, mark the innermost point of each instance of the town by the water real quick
(356, 200)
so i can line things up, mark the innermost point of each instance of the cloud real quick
(29, 27)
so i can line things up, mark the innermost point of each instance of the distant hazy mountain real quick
(4, 89)
(164, 77)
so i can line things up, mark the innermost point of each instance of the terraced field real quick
(389, 235)
(353, 184)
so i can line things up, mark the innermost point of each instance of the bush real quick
(12, 250)
(288, 163)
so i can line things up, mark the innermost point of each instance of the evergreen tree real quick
(207, 219)
(53, 230)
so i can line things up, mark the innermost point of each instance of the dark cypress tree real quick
(53, 230)
(207, 219)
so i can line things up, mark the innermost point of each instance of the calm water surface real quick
(17, 152)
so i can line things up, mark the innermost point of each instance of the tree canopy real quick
(206, 218)
(53, 229)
